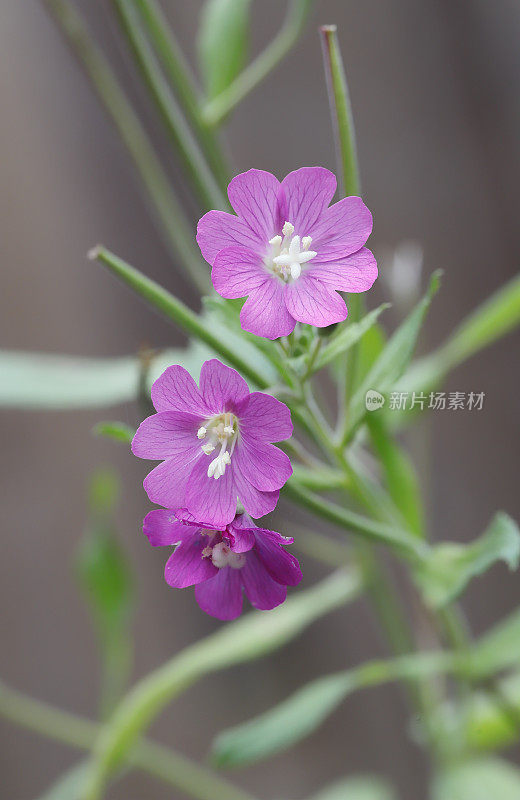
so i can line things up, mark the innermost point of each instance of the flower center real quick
(287, 254)
(223, 556)
(219, 432)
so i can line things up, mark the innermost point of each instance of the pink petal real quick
(166, 484)
(263, 592)
(310, 301)
(255, 502)
(175, 390)
(309, 191)
(222, 387)
(237, 271)
(281, 565)
(221, 596)
(214, 501)
(265, 314)
(341, 229)
(187, 566)
(167, 434)
(162, 527)
(254, 196)
(266, 418)
(355, 273)
(265, 466)
(218, 229)
(241, 539)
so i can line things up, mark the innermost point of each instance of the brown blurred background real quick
(435, 87)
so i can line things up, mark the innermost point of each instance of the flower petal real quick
(265, 466)
(265, 314)
(166, 484)
(208, 499)
(266, 418)
(162, 527)
(310, 301)
(255, 502)
(218, 229)
(175, 390)
(167, 434)
(308, 190)
(222, 387)
(355, 273)
(262, 590)
(221, 596)
(241, 539)
(187, 566)
(254, 196)
(341, 229)
(281, 565)
(237, 271)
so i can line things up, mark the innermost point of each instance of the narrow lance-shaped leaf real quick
(69, 786)
(300, 715)
(117, 431)
(450, 567)
(222, 43)
(396, 355)
(347, 336)
(399, 473)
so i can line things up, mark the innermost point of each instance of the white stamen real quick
(296, 270)
(220, 432)
(229, 430)
(201, 432)
(287, 256)
(276, 241)
(306, 242)
(288, 229)
(207, 448)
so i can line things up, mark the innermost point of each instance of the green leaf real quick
(347, 335)
(478, 779)
(450, 567)
(490, 719)
(399, 471)
(117, 431)
(282, 726)
(60, 382)
(396, 355)
(359, 787)
(222, 43)
(303, 712)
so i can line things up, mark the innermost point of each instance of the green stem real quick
(181, 78)
(178, 231)
(341, 111)
(197, 168)
(217, 109)
(378, 532)
(175, 310)
(161, 762)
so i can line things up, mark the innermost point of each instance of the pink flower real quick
(220, 563)
(288, 250)
(216, 443)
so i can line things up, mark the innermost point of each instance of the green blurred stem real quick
(161, 762)
(183, 141)
(215, 111)
(177, 229)
(179, 74)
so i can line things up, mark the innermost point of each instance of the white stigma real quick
(223, 556)
(220, 431)
(288, 254)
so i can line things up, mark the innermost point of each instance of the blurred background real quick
(435, 87)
